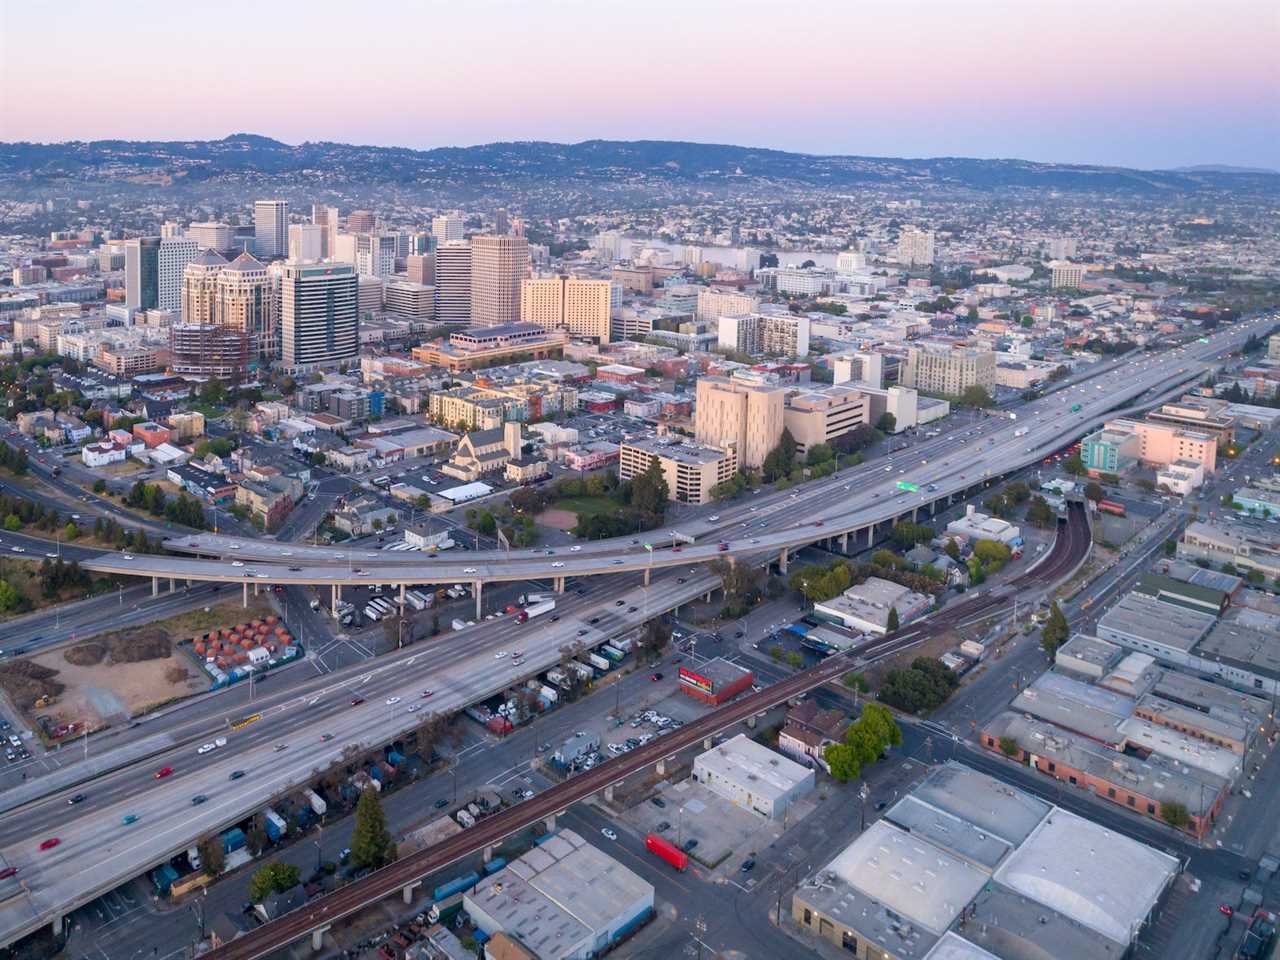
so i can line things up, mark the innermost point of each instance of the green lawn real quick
(585, 507)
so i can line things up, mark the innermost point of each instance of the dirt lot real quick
(558, 519)
(121, 674)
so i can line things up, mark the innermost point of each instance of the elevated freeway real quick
(314, 918)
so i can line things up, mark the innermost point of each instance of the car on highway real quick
(8, 872)
(280, 746)
(392, 701)
(427, 693)
(78, 798)
(129, 818)
(1226, 910)
(575, 548)
(441, 803)
(17, 549)
(163, 772)
(468, 569)
(205, 748)
(608, 834)
(236, 774)
(237, 563)
(414, 707)
(198, 799)
(500, 655)
(50, 843)
(558, 564)
(619, 603)
(617, 563)
(326, 737)
(356, 701)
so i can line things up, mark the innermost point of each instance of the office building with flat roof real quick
(271, 228)
(822, 414)
(752, 776)
(576, 304)
(498, 264)
(692, 471)
(319, 317)
(739, 413)
(777, 333)
(940, 368)
(453, 282)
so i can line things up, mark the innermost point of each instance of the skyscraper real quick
(498, 264)
(572, 303)
(247, 301)
(421, 268)
(447, 227)
(142, 273)
(361, 221)
(200, 288)
(501, 222)
(171, 260)
(319, 322)
(327, 219)
(211, 235)
(306, 241)
(271, 227)
(453, 281)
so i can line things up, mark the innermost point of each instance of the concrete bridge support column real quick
(707, 598)
(608, 794)
(782, 561)
(57, 926)
(407, 892)
(333, 601)
(550, 823)
(647, 571)
(661, 767)
(478, 589)
(317, 938)
(173, 585)
(402, 589)
(488, 853)
(559, 585)
(155, 586)
(244, 601)
(255, 587)
(844, 543)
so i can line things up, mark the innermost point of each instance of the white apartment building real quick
(1065, 274)
(211, 235)
(447, 227)
(915, 247)
(174, 255)
(779, 334)
(714, 304)
(576, 304)
(372, 254)
(850, 261)
(271, 227)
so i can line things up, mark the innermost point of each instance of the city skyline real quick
(1085, 84)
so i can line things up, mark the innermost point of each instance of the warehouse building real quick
(966, 867)
(716, 681)
(564, 900)
(752, 776)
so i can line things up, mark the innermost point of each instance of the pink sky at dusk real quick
(1129, 82)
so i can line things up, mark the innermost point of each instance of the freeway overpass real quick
(316, 917)
(851, 504)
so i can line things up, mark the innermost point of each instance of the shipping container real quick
(372, 613)
(275, 824)
(317, 802)
(232, 840)
(667, 851)
(1110, 506)
(613, 653)
(599, 662)
(494, 865)
(455, 886)
(558, 677)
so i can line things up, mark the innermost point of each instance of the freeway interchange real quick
(97, 851)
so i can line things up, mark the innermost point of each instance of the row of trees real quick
(58, 575)
(865, 740)
(13, 460)
(108, 530)
(185, 509)
(919, 688)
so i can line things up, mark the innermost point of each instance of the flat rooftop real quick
(1125, 878)
(1192, 573)
(953, 834)
(1216, 722)
(1139, 619)
(1093, 712)
(914, 879)
(1210, 697)
(952, 947)
(1182, 748)
(989, 804)
(741, 760)
(694, 454)
(1247, 639)
(1015, 927)
(1089, 650)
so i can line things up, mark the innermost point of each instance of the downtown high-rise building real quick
(200, 288)
(326, 218)
(306, 241)
(498, 264)
(453, 282)
(319, 319)
(421, 268)
(201, 344)
(211, 235)
(171, 263)
(361, 221)
(372, 254)
(142, 273)
(271, 228)
(247, 301)
(447, 227)
(575, 304)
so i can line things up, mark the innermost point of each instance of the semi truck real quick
(599, 662)
(613, 653)
(667, 851)
(1110, 506)
(318, 806)
(417, 600)
(557, 677)
(275, 825)
(535, 610)
(372, 613)
(528, 598)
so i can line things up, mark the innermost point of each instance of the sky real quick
(1141, 83)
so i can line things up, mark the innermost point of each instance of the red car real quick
(50, 843)
(427, 693)
(163, 772)
(356, 701)
(8, 872)
(1226, 910)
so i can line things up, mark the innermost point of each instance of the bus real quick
(383, 482)
(372, 613)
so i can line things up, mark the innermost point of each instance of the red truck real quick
(667, 851)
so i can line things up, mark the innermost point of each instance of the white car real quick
(575, 548)
(413, 708)
(558, 563)
(468, 569)
(608, 834)
(220, 741)
(392, 701)
(500, 655)
(237, 563)
(205, 748)
(127, 556)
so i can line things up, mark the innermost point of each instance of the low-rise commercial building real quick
(870, 606)
(979, 526)
(752, 776)
(565, 900)
(489, 346)
(716, 681)
(821, 415)
(1243, 545)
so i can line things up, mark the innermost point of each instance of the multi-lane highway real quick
(97, 850)
(1069, 550)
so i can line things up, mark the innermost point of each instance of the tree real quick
(9, 597)
(1073, 465)
(992, 554)
(71, 531)
(1008, 746)
(926, 684)
(795, 659)
(1055, 631)
(12, 522)
(1040, 514)
(887, 423)
(1175, 814)
(275, 877)
(907, 534)
(1093, 491)
(818, 453)
(653, 640)
(892, 624)
(649, 491)
(371, 844)
(842, 762)
(976, 396)
(212, 857)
